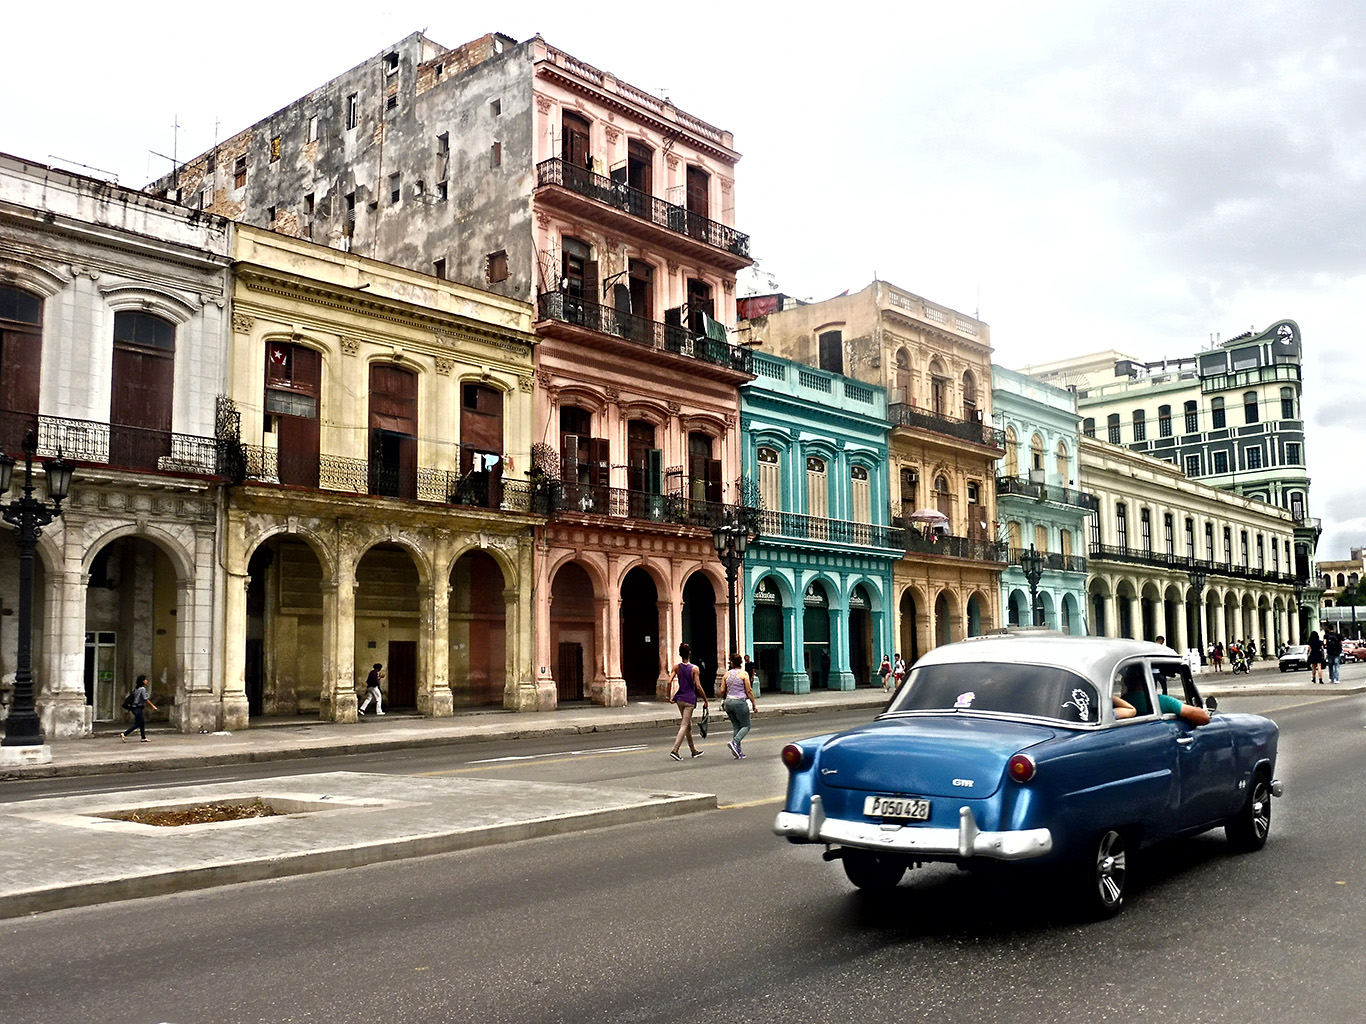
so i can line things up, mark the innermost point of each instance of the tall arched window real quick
(142, 388)
(1015, 536)
(902, 382)
(943, 499)
(21, 353)
(770, 479)
(861, 504)
(969, 396)
(939, 389)
(1288, 404)
(1036, 457)
(1064, 464)
(1012, 459)
(817, 488)
(1250, 414)
(293, 387)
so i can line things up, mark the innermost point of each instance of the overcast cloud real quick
(1144, 176)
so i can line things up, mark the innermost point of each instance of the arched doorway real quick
(943, 628)
(1017, 608)
(572, 631)
(974, 616)
(910, 628)
(283, 668)
(640, 634)
(388, 621)
(768, 633)
(477, 632)
(816, 632)
(130, 624)
(699, 627)
(860, 636)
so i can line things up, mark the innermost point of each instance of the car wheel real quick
(1285, 668)
(1247, 832)
(872, 871)
(1102, 875)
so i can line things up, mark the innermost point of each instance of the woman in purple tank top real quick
(684, 690)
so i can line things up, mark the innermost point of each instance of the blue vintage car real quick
(1013, 748)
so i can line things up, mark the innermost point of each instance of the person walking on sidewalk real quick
(885, 673)
(684, 690)
(139, 700)
(372, 693)
(1315, 657)
(1332, 649)
(739, 703)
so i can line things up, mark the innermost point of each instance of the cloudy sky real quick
(1082, 175)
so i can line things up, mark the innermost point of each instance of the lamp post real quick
(1198, 579)
(28, 515)
(1031, 563)
(731, 537)
(1350, 593)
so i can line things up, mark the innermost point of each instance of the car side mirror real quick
(1211, 703)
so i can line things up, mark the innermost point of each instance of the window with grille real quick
(1112, 428)
(1221, 462)
(1140, 426)
(1250, 407)
(1253, 457)
(1164, 421)
(1192, 418)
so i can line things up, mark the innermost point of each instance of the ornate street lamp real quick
(1198, 579)
(28, 515)
(1350, 593)
(1031, 563)
(731, 537)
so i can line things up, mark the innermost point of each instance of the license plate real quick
(899, 807)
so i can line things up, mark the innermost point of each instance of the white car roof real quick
(1092, 657)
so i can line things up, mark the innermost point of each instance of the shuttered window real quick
(770, 479)
(861, 505)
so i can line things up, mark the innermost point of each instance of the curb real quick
(342, 747)
(108, 890)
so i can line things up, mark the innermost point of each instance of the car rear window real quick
(1041, 691)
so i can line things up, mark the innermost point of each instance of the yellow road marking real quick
(504, 765)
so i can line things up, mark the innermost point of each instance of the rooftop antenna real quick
(75, 163)
(977, 309)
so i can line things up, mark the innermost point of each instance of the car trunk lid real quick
(933, 756)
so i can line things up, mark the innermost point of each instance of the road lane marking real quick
(751, 803)
(489, 764)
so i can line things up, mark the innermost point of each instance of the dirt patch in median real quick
(199, 814)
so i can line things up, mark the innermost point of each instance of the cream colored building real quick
(385, 515)
(936, 366)
(1156, 533)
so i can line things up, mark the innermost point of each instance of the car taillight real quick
(793, 756)
(1021, 768)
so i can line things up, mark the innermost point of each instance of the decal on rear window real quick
(1081, 700)
(965, 700)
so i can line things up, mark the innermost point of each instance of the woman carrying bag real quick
(684, 690)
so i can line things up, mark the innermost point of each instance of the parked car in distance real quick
(1354, 649)
(1296, 656)
(1011, 749)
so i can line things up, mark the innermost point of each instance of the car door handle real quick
(1185, 741)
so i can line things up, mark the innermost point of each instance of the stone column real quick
(612, 692)
(338, 700)
(434, 651)
(60, 671)
(235, 708)
(536, 640)
(793, 678)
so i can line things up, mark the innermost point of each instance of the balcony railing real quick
(1055, 560)
(1047, 492)
(622, 197)
(650, 334)
(973, 548)
(1184, 563)
(903, 415)
(359, 476)
(836, 531)
(115, 446)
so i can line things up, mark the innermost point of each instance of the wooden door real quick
(402, 673)
(393, 431)
(569, 672)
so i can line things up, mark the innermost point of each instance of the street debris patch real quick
(198, 814)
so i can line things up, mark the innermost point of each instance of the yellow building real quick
(936, 366)
(385, 514)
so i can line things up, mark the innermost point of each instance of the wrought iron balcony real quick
(930, 543)
(1054, 560)
(651, 334)
(903, 415)
(791, 526)
(359, 476)
(118, 447)
(1047, 492)
(621, 196)
(1184, 563)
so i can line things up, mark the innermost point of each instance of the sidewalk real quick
(273, 739)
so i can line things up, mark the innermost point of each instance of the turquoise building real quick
(1038, 503)
(818, 582)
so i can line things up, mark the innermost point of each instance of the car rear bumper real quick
(965, 841)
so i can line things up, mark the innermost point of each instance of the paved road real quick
(709, 918)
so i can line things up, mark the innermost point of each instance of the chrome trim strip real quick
(965, 841)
